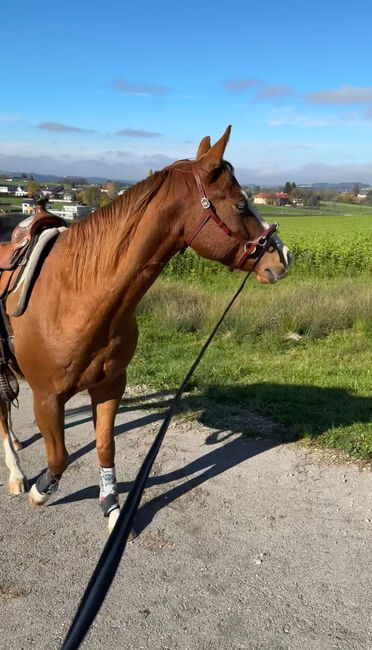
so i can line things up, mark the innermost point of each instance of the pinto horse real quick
(81, 313)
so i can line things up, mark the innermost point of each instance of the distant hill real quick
(344, 186)
(52, 177)
(338, 186)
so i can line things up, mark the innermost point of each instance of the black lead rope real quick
(108, 563)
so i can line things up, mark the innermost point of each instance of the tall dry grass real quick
(312, 308)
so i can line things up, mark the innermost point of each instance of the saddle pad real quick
(25, 284)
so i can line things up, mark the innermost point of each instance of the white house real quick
(28, 207)
(6, 189)
(20, 191)
(71, 212)
(261, 198)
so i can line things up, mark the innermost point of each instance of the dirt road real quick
(243, 544)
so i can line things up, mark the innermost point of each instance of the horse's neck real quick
(123, 272)
(155, 241)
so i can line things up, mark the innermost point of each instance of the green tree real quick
(288, 187)
(111, 190)
(347, 197)
(313, 201)
(32, 188)
(91, 195)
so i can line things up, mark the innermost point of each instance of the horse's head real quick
(222, 225)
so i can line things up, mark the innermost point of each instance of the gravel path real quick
(243, 544)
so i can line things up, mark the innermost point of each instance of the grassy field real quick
(299, 352)
(326, 208)
(10, 203)
(14, 203)
(322, 246)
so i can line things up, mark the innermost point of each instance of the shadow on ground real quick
(299, 410)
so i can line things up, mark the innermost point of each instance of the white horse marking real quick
(285, 251)
(17, 480)
(112, 519)
(36, 498)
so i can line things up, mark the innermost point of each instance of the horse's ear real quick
(204, 146)
(214, 156)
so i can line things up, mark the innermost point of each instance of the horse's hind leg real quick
(17, 480)
(105, 401)
(49, 414)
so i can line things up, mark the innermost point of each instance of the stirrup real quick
(9, 387)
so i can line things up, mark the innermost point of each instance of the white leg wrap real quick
(17, 479)
(107, 482)
(108, 495)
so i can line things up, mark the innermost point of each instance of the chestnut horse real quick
(81, 313)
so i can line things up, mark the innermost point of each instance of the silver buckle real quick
(205, 203)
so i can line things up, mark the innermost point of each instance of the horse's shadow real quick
(318, 410)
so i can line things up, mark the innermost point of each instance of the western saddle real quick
(13, 258)
(24, 233)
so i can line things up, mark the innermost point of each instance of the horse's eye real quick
(241, 206)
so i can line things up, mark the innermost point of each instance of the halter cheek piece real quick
(249, 246)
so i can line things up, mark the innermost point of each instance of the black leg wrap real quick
(46, 484)
(109, 504)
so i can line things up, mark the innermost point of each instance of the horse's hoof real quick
(18, 485)
(132, 535)
(112, 519)
(36, 498)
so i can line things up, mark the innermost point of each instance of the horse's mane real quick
(95, 245)
(90, 243)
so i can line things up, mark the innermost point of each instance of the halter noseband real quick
(249, 246)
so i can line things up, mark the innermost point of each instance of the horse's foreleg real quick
(17, 480)
(105, 401)
(16, 443)
(49, 415)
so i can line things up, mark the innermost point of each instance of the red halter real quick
(249, 246)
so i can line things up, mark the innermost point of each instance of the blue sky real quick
(114, 90)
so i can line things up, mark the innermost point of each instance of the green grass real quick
(322, 247)
(318, 388)
(326, 208)
(11, 203)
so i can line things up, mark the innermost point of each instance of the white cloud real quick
(62, 128)
(345, 95)
(9, 118)
(122, 165)
(312, 172)
(289, 116)
(272, 92)
(139, 89)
